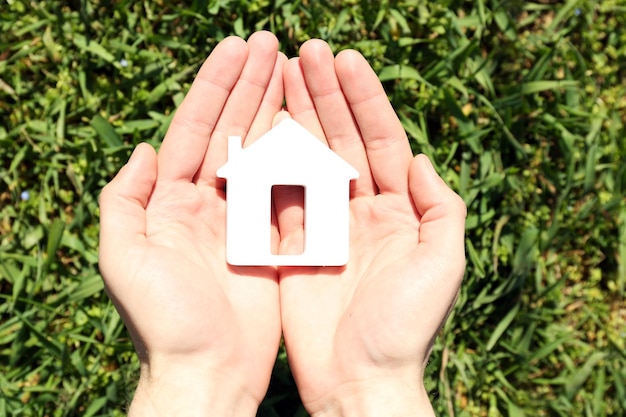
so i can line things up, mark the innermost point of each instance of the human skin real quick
(206, 333)
(358, 337)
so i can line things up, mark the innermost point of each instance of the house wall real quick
(327, 222)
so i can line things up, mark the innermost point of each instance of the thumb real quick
(442, 215)
(123, 206)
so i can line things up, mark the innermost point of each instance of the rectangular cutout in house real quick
(288, 209)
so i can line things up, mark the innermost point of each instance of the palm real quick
(184, 240)
(356, 315)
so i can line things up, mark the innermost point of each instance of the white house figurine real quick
(286, 155)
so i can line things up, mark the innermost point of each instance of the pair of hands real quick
(357, 337)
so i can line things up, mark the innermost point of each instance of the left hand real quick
(358, 337)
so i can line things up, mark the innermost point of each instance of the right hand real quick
(206, 333)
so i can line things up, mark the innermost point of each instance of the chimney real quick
(234, 147)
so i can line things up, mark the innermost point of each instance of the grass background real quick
(521, 105)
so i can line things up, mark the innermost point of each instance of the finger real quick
(299, 102)
(280, 116)
(442, 216)
(245, 99)
(340, 129)
(187, 138)
(271, 104)
(388, 150)
(287, 212)
(243, 103)
(123, 206)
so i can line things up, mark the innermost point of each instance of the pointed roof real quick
(287, 150)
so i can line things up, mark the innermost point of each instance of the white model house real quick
(286, 155)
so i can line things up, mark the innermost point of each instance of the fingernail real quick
(430, 166)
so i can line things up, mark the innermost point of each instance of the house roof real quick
(289, 154)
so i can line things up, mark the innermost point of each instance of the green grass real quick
(522, 106)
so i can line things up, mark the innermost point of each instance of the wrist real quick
(374, 399)
(189, 390)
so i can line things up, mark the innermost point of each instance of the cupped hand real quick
(358, 337)
(201, 328)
